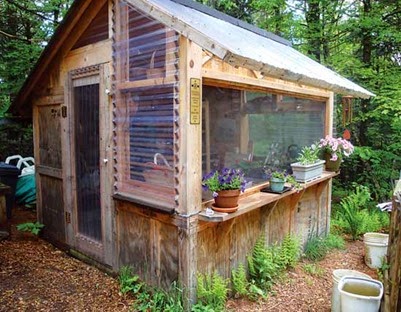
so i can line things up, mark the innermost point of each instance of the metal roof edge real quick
(232, 20)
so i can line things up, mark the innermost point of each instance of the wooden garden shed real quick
(134, 101)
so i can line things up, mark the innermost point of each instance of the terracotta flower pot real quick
(332, 165)
(226, 199)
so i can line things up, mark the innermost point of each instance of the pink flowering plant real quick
(336, 147)
(224, 179)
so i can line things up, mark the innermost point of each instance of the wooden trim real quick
(143, 202)
(49, 171)
(226, 79)
(329, 115)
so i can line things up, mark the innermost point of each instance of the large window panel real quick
(146, 109)
(257, 131)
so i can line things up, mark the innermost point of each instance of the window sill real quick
(148, 203)
(259, 199)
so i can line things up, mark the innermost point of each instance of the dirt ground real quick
(35, 276)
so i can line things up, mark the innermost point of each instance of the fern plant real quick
(212, 291)
(239, 281)
(289, 251)
(263, 264)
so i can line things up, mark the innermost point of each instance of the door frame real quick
(99, 251)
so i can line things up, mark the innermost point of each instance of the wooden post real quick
(392, 298)
(190, 166)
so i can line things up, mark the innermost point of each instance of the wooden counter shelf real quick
(259, 199)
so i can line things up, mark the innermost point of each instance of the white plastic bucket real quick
(375, 249)
(337, 276)
(360, 294)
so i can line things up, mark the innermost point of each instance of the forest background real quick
(359, 39)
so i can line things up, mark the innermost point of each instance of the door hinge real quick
(64, 111)
(67, 217)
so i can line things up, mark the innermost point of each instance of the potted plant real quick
(278, 179)
(226, 185)
(308, 166)
(333, 151)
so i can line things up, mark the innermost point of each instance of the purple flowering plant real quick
(336, 147)
(224, 179)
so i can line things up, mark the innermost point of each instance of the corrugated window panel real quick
(146, 112)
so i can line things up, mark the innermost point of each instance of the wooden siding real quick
(224, 245)
(147, 242)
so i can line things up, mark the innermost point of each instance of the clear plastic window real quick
(257, 131)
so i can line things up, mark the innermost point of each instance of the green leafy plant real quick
(33, 227)
(224, 179)
(289, 251)
(350, 212)
(263, 264)
(239, 281)
(212, 291)
(128, 281)
(313, 269)
(315, 248)
(309, 155)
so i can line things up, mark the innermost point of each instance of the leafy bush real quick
(128, 281)
(34, 228)
(212, 292)
(355, 216)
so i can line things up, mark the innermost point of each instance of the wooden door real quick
(90, 222)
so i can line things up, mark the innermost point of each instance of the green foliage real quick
(32, 227)
(355, 217)
(16, 139)
(309, 155)
(239, 281)
(159, 300)
(212, 291)
(263, 264)
(313, 269)
(129, 283)
(149, 299)
(289, 251)
(317, 247)
(266, 263)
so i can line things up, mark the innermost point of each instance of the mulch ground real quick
(36, 276)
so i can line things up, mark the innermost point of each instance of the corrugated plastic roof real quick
(243, 47)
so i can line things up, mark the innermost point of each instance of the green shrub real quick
(34, 228)
(350, 212)
(212, 291)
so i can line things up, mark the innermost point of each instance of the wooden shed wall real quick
(223, 246)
